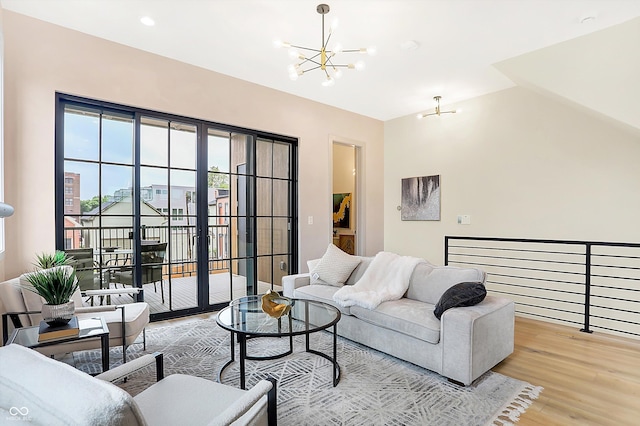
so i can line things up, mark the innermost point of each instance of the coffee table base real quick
(242, 340)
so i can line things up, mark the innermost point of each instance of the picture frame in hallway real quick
(420, 198)
(342, 210)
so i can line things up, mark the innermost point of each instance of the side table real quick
(89, 328)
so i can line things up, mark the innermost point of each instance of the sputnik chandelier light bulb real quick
(438, 111)
(323, 58)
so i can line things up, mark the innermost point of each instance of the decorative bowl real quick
(275, 305)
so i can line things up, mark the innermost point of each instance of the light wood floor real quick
(588, 379)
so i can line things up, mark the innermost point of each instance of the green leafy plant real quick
(53, 280)
(54, 285)
(48, 260)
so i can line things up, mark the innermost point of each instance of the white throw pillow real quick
(311, 264)
(334, 267)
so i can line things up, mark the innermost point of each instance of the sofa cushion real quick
(320, 293)
(359, 270)
(428, 283)
(463, 294)
(334, 267)
(406, 316)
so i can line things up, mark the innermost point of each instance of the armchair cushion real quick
(203, 399)
(136, 316)
(12, 299)
(55, 393)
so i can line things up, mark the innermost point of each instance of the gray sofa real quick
(464, 344)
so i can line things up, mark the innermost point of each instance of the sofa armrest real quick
(476, 338)
(291, 282)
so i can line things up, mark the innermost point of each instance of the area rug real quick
(375, 388)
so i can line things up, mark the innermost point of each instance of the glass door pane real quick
(219, 216)
(230, 210)
(98, 173)
(274, 213)
(168, 215)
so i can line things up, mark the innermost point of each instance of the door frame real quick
(360, 198)
(201, 180)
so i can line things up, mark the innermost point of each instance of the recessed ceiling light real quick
(147, 21)
(588, 19)
(409, 45)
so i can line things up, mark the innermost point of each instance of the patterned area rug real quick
(375, 389)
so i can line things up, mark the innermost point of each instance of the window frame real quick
(64, 99)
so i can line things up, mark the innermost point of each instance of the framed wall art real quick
(341, 210)
(421, 198)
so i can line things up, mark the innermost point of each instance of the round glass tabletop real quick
(245, 315)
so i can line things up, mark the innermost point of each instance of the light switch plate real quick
(464, 219)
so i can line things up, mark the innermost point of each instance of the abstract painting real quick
(421, 198)
(341, 210)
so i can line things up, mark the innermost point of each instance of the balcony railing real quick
(595, 285)
(181, 245)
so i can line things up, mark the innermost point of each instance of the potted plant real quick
(51, 260)
(55, 282)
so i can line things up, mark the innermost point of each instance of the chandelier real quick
(438, 111)
(310, 59)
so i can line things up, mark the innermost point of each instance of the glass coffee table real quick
(245, 319)
(89, 328)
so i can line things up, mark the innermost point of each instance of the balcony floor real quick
(181, 293)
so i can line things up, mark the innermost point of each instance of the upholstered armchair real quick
(22, 308)
(45, 391)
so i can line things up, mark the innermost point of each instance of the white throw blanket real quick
(386, 278)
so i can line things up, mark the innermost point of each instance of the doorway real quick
(347, 197)
(194, 213)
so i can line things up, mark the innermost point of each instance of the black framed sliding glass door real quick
(251, 218)
(192, 212)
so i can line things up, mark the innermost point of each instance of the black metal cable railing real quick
(594, 285)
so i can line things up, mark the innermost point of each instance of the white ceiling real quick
(459, 40)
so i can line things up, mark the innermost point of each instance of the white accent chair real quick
(43, 391)
(22, 307)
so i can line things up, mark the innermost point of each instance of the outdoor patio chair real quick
(89, 274)
(152, 256)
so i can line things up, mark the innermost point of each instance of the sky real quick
(82, 142)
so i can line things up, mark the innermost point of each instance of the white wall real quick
(521, 165)
(598, 71)
(42, 58)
